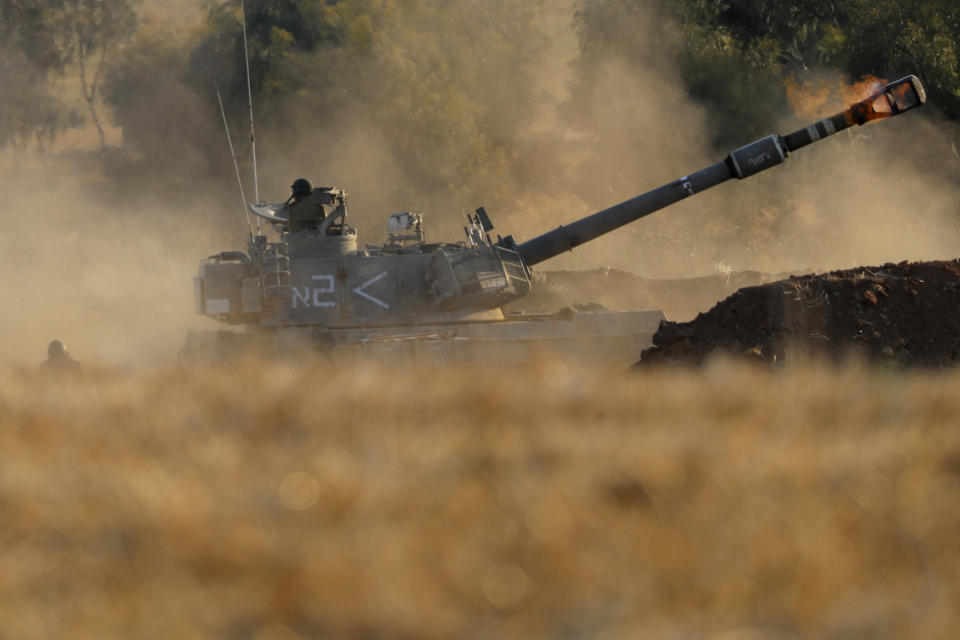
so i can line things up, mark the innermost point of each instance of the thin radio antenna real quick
(236, 167)
(253, 142)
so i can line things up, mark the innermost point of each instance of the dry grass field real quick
(358, 501)
(347, 500)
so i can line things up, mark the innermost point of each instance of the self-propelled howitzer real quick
(316, 289)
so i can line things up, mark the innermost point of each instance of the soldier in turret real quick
(58, 361)
(300, 189)
(302, 210)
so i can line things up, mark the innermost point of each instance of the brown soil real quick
(906, 313)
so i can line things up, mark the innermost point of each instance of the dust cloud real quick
(583, 133)
(353, 156)
(595, 131)
(114, 284)
(884, 192)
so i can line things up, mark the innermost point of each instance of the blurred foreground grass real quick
(347, 501)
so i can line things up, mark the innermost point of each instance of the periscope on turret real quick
(316, 289)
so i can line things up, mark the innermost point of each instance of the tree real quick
(734, 51)
(39, 40)
(30, 27)
(29, 55)
(890, 37)
(441, 87)
(278, 31)
(90, 31)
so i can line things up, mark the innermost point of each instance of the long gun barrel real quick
(890, 100)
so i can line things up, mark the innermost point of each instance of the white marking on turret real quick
(327, 290)
(363, 294)
(303, 297)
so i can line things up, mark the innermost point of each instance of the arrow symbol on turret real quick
(363, 294)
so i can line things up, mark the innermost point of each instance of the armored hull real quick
(314, 291)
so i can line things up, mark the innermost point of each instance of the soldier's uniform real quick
(58, 361)
(304, 210)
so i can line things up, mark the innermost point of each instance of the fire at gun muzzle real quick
(890, 100)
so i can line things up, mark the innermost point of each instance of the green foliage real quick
(894, 38)
(448, 87)
(452, 90)
(616, 28)
(726, 54)
(91, 30)
(87, 27)
(276, 32)
(739, 83)
(41, 39)
(148, 100)
(804, 33)
(29, 54)
(735, 54)
(443, 84)
(28, 110)
(32, 28)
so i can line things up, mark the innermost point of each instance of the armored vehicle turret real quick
(315, 288)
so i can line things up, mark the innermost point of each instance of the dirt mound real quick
(906, 313)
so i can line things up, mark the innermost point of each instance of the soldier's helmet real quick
(301, 188)
(56, 349)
